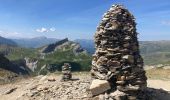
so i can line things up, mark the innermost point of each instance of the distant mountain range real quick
(153, 52)
(34, 42)
(7, 41)
(42, 55)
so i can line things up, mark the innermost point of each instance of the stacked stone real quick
(117, 58)
(66, 70)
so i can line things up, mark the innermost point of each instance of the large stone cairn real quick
(117, 59)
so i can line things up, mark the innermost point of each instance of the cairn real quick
(66, 70)
(117, 60)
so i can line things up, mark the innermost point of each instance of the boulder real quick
(99, 86)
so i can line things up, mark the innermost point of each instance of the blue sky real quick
(78, 19)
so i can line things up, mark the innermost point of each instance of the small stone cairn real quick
(117, 66)
(66, 70)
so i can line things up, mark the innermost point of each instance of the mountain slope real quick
(154, 46)
(16, 53)
(49, 58)
(8, 65)
(10, 71)
(5, 41)
(55, 55)
(63, 45)
(155, 52)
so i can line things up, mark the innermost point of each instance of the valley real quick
(48, 58)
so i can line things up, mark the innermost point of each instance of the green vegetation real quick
(157, 58)
(15, 53)
(155, 52)
(52, 61)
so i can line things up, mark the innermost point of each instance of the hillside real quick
(7, 41)
(10, 71)
(55, 55)
(49, 58)
(154, 46)
(155, 52)
(17, 53)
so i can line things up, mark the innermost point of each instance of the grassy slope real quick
(81, 61)
(15, 53)
(155, 52)
(78, 62)
(157, 58)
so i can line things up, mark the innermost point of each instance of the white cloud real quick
(44, 30)
(52, 29)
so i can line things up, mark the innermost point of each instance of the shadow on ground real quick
(157, 94)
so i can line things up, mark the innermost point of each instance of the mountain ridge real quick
(6, 41)
(35, 42)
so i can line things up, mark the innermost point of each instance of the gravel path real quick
(51, 88)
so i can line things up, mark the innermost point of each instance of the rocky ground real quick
(50, 87)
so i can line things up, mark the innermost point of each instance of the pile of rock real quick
(45, 88)
(66, 70)
(117, 58)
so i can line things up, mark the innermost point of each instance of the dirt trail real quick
(159, 84)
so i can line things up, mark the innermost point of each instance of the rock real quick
(10, 90)
(120, 82)
(122, 78)
(41, 88)
(101, 97)
(66, 70)
(130, 77)
(113, 63)
(117, 93)
(99, 86)
(51, 78)
(129, 58)
(32, 93)
(132, 98)
(31, 63)
(116, 40)
(115, 49)
(43, 79)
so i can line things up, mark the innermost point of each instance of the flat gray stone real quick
(99, 86)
